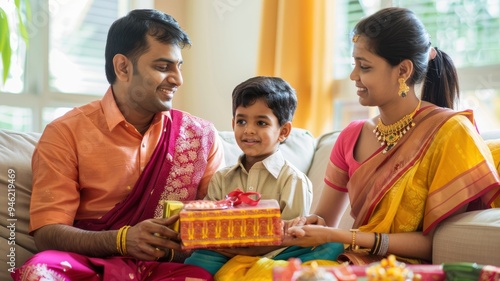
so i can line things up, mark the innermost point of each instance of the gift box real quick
(471, 271)
(231, 226)
(170, 208)
(295, 271)
(426, 272)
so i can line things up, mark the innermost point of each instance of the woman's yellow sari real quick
(439, 166)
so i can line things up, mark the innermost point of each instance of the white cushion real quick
(298, 148)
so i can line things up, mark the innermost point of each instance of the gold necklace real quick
(389, 135)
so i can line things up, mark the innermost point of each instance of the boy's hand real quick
(315, 219)
(306, 236)
(301, 221)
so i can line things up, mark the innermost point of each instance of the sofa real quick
(468, 237)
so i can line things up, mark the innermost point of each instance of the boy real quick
(263, 109)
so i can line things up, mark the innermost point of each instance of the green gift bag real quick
(462, 271)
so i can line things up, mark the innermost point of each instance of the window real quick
(62, 65)
(13, 50)
(465, 30)
(76, 46)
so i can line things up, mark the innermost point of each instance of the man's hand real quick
(148, 240)
(153, 238)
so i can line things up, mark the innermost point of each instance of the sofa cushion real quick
(316, 173)
(15, 161)
(469, 237)
(298, 148)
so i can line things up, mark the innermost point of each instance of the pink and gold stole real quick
(173, 172)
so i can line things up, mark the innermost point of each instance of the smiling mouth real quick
(250, 141)
(167, 93)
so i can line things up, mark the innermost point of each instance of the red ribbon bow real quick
(237, 197)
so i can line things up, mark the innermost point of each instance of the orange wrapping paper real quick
(238, 226)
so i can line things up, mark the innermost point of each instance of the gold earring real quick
(403, 88)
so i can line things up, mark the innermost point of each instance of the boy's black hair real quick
(279, 96)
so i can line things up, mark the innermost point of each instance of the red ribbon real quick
(237, 197)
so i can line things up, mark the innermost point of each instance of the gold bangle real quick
(118, 240)
(124, 240)
(353, 244)
(121, 239)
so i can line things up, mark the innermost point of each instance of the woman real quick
(412, 166)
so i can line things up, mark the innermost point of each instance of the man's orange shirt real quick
(89, 160)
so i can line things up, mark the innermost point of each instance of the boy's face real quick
(257, 131)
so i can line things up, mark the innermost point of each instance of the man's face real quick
(156, 77)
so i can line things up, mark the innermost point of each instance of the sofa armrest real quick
(469, 237)
(17, 245)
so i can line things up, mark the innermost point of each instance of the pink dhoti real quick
(56, 265)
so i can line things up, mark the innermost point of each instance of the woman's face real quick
(375, 78)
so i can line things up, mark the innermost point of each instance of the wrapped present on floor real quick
(421, 272)
(239, 221)
(467, 271)
(296, 271)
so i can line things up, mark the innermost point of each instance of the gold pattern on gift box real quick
(236, 226)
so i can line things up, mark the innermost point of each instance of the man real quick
(102, 171)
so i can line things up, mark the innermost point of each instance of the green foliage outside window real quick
(23, 15)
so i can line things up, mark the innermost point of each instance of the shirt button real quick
(143, 145)
(250, 188)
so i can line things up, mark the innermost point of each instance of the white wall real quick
(225, 41)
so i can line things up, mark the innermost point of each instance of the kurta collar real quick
(114, 116)
(273, 164)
